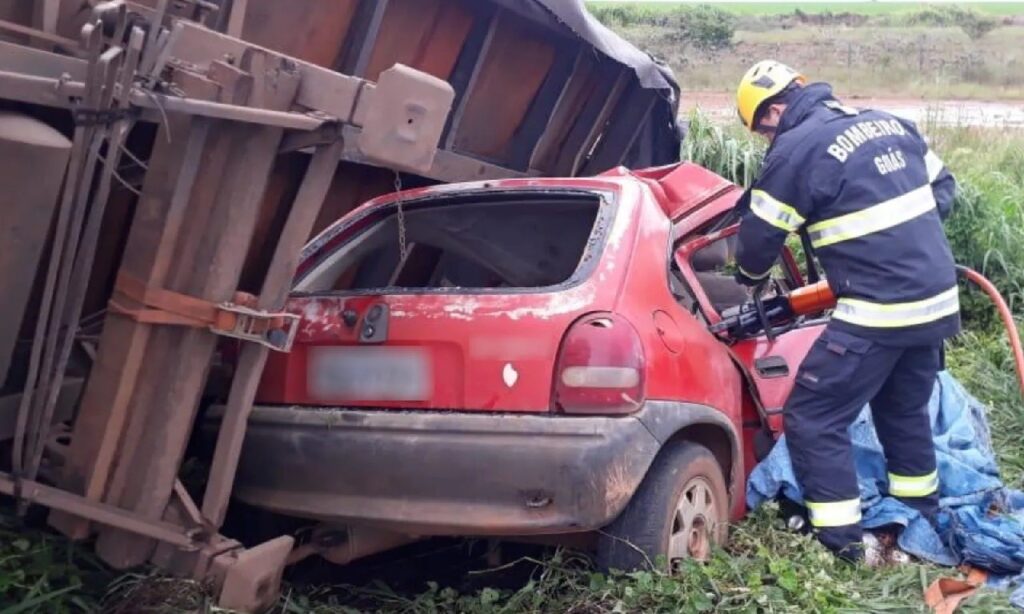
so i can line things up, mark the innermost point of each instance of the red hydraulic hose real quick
(1004, 313)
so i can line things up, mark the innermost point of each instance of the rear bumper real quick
(430, 473)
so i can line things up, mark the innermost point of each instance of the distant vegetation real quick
(973, 51)
(700, 18)
(761, 9)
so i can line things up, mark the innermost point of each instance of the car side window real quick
(485, 244)
(715, 266)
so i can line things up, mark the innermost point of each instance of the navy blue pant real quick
(840, 374)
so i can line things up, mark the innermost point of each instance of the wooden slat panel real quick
(424, 34)
(104, 409)
(608, 82)
(281, 189)
(514, 68)
(362, 37)
(35, 157)
(310, 30)
(353, 185)
(557, 85)
(117, 220)
(467, 70)
(626, 123)
(21, 59)
(47, 14)
(208, 262)
(236, 20)
(18, 11)
(582, 86)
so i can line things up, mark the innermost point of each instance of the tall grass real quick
(765, 569)
(986, 229)
(729, 151)
(40, 572)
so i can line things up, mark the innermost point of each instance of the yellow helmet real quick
(764, 80)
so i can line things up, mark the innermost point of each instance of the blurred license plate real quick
(369, 373)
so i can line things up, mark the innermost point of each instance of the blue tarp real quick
(980, 521)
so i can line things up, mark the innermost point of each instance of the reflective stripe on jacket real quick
(871, 197)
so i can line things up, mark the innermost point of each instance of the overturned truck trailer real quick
(165, 161)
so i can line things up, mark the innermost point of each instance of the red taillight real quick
(600, 368)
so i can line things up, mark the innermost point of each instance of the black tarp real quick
(651, 73)
(659, 141)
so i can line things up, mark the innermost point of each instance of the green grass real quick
(41, 572)
(765, 569)
(782, 8)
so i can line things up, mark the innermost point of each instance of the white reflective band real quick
(600, 377)
(776, 213)
(838, 106)
(834, 513)
(897, 315)
(934, 165)
(913, 486)
(751, 275)
(878, 217)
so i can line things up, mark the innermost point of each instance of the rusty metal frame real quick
(210, 88)
(57, 92)
(101, 513)
(34, 33)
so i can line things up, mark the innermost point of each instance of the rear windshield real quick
(508, 243)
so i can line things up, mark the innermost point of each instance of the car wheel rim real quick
(693, 525)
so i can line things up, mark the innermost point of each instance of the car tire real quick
(681, 510)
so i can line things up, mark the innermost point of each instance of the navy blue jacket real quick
(871, 198)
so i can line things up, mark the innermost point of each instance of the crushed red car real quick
(526, 357)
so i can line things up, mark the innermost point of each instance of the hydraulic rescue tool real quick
(774, 315)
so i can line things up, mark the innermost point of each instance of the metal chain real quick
(402, 244)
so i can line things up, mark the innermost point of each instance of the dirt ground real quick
(721, 106)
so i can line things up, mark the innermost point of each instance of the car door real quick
(770, 365)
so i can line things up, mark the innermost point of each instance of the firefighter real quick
(865, 191)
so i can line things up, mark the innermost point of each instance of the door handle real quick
(771, 367)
